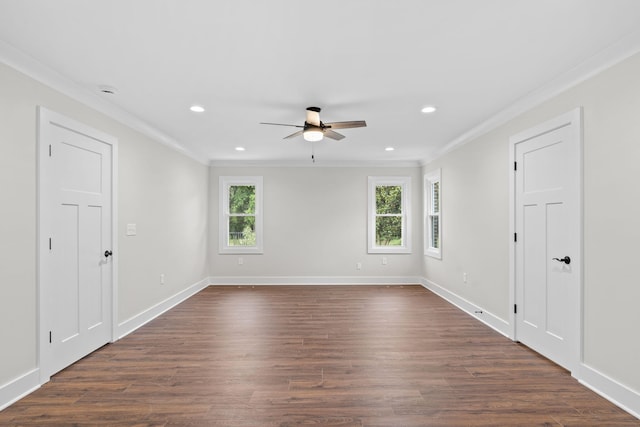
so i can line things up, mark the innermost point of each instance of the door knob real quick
(107, 254)
(566, 260)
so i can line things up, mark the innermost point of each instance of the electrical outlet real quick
(358, 266)
(162, 279)
(464, 277)
(384, 260)
(240, 261)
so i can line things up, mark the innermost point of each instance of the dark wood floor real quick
(321, 355)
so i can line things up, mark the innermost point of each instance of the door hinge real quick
(49, 337)
(49, 150)
(49, 243)
(515, 166)
(515, 237)
(515, 308)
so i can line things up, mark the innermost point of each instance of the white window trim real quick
(430, 179)
(225, 183)
(405, 183)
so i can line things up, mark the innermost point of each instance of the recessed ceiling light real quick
(239, 148)
(429, 109)
(389, 149)
(197, 108)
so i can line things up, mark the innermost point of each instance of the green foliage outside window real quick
(242, 220)
(389, 215)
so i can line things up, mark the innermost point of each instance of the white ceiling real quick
(249, 61)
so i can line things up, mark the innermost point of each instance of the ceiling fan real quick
(314, 129)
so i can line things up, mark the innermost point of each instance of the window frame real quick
(430, 179)
(405, 183)
(223, 227)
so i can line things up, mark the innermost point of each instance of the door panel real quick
(533, 296)
(545, 157)
(92, 260)
(85, 175)
(67, 292)
(557, 285)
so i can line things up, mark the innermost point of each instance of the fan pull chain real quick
(313, 155)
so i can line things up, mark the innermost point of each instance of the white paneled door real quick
(76, 253)
(547, 239)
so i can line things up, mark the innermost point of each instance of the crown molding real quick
(319, 164)
(33, 68)
(624, 48)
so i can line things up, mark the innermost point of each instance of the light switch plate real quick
(131, 229)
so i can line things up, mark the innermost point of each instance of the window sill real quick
(437, 254)
(389, 250)
(239, 251)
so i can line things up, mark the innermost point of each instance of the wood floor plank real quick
(348, 356)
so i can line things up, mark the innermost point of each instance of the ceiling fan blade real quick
(313, 116)
(333, 135)
(293, 135)
(281, 124)
(345, 125)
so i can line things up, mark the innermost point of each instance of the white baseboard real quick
(610, 389)
(489, 319)
(313, 280)
(18, 388)
(133, 323)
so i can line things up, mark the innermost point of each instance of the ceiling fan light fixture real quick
(312, 135)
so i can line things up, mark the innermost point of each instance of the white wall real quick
(474, 224)
(17, 228)
(475, 218)
(315, 225)
(162, 191)
(166, 195)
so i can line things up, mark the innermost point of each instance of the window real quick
(432, 211)
(389, 214)
(240, 214)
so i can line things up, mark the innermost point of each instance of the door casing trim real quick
(573, 119)
(44, 118)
